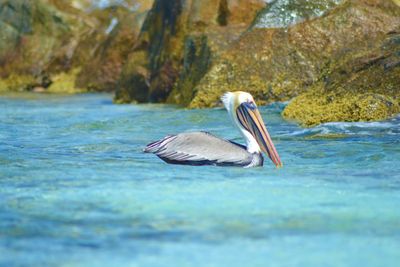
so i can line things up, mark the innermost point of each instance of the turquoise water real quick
(75, 190)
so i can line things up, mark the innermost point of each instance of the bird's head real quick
(245, 114)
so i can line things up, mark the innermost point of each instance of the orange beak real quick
(251, 120)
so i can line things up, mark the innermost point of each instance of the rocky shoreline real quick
(336, 61)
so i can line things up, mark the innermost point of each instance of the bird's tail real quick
(156, 146)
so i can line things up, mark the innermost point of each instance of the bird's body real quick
(203, 148)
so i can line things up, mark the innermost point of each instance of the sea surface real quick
(76, 190)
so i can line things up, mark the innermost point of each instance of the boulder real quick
(344, 53)
(51, 41)
(364, 87)
(177, 43)
(102, 70)
(40, 38)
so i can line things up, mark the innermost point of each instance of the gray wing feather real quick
(199, 148)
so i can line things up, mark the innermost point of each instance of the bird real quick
(203, 148)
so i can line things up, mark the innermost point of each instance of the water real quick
(75, 190)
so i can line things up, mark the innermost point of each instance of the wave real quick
(344, 129)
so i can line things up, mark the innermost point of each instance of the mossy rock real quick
(134, 84)
(363, 87)
(196, 62)
(314, 108)
(17, 83)
(330, 76)
(178, 34)
(226, 76)
(279, 64)
(65, 82)
(41, 39)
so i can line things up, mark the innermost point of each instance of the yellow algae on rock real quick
(360, 87)
(279, 64)
(343, 66)
(65, 82)
(17, 83)
(316, 107)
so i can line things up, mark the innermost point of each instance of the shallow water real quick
(75, 190)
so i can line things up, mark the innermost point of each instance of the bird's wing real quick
(199, 148)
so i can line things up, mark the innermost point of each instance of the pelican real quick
(203, 148)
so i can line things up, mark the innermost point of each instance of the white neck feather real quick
(251, 143)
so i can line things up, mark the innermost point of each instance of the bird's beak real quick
(251, 120)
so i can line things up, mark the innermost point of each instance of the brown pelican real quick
(203, 148)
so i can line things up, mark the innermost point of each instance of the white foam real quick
(390, 127)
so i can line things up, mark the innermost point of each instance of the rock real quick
(40, 39)
(314, 108)
(364, 87)
(134, 83)
(178, 39)
(102, 71)
(196, 62)
(334, 59)
(49, 39)
(17, 83)
(65, 82)
(150, 69)
(284, 13)
(43, 29)
(348, 53)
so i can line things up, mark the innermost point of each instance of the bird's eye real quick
(251, 105)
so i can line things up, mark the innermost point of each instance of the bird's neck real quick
(251, 143)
